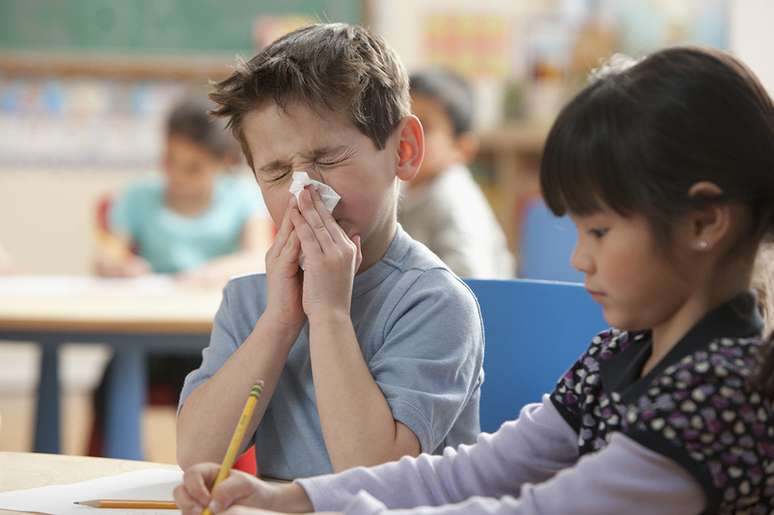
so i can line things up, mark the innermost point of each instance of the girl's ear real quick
(707, 225)
(410, 148)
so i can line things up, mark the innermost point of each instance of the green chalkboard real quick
(152, 26)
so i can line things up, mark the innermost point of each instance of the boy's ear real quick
(708, 225)
(410, 149)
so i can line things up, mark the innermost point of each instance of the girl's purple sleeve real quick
(530, 449)
(517, 471)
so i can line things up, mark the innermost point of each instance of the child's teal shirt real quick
(172, 242)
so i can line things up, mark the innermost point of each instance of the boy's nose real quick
(315, 175)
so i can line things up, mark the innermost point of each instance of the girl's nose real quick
(580, 260)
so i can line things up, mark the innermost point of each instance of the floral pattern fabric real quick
(697, 406)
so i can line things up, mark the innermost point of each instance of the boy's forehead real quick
(274, 132)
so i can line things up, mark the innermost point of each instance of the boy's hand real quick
(283, 275)
(331, 258)
(238, 490)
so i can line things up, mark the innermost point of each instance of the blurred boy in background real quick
(443, 207)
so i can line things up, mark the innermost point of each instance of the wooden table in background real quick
(134, 317)
(22, 470)
(515, 150)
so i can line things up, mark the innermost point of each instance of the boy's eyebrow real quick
(317, 153)
(323, 151)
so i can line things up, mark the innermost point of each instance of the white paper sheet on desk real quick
(151, 484)
(64, 285)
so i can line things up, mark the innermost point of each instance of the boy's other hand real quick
(283, 275)
(331, 258)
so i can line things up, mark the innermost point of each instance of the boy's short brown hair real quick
(333, 66)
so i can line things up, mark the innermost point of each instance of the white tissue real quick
(328, 195)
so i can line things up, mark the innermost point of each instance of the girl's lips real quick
(595, 293)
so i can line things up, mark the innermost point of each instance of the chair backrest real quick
(546, 245)
(534, 331)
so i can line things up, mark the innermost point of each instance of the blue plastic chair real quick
(546, 245)
(534, 330)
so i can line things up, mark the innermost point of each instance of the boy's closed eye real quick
(276, 175)
(333, 158)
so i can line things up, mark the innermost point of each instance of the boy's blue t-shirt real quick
(172, 242)
(421, 333)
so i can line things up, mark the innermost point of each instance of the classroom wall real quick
(402, 24)
(47, 217)
(50, 213)
(751, 37)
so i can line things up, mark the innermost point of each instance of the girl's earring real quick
(702, 244)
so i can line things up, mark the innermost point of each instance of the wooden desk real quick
(21, 470)
(135, 317)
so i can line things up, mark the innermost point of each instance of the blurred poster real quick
(82, 123)
(269, 28)
(472, 44)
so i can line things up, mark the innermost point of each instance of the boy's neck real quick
(375, 246)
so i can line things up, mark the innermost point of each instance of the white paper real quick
(151, 484)
(58, 286)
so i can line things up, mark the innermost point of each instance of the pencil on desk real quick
(134, 504)
(239, 435)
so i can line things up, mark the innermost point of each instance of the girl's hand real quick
(239, 493)
(283, 276)
(331, 258)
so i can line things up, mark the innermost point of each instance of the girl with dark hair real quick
(666, 167)
(196, 223)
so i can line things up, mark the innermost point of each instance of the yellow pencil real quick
(132, 504)
(239, 435)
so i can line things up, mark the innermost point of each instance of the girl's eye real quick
(598, 233)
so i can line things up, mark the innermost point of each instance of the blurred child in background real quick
(197, 222)
(443, 207)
